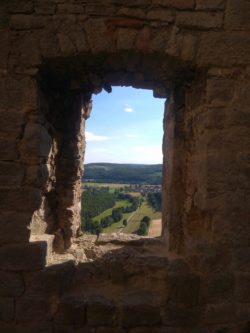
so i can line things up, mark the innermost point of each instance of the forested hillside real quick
(123, 173)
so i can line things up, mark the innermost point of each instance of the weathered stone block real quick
(133, 12)
(202, 20)
(36, 327)
(140, 310)
(219, 48)
(242, 284)
(27, 45)
(58, 328)
(210, 4)
(6, 309)
(219, 313)
(181, 315)
(183, 288)
(55, 280)
(241, 259)
(33, 308)
(100, 311)
(37, 175)
(8, 327)
(49, 44)
(45, 8)
(94, 9)
(4, 50)
(160, 329)
(71, 310)
(64, 8)
(19, 199)
(11, 123)
(237, 15)
(11, 284)
(110, 330)
(217, 288)
(27, 22)
(161, 15)
(66, 44)
(160, 40)
(189, 46)
(73, 329)
(23, 257)
(17, 221)
(11, 173)
(178, 4)
(21, 6)
(36, 142)
(98, 36)
(219, 92)
(125, 22)
(241, 99)
(126, 38)
(8, 149)
(18, 94)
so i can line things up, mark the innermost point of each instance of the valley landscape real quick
(122, 198)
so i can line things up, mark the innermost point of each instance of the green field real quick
(134, 222)
(112, 186)
(107, 212)
(115, 227)
(133, 218)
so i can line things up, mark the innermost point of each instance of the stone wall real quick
(53, 56)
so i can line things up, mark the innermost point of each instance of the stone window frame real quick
(65, 87)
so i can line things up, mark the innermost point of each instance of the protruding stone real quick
(36, 142)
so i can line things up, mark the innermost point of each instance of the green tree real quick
(143, 229)
(146, 219)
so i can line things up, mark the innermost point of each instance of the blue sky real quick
(125, 126)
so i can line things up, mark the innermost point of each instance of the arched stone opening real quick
(65, 89)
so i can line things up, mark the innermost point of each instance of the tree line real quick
(124, 173)
(154, 200)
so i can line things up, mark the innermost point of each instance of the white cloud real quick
(148, 154)
(93, 137)
(131, 136)
(128, 108)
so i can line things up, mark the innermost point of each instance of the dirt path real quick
(155, 228)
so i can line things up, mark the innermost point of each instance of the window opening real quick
(123, 164)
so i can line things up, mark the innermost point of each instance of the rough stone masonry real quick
(54, 54)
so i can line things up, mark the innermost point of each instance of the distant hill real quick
(123, 173)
